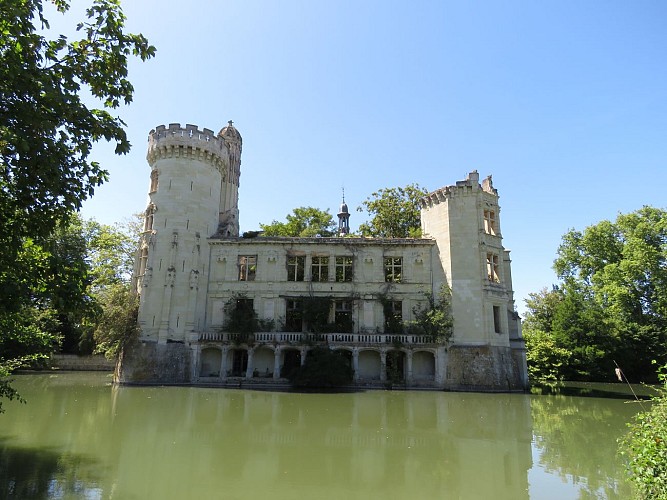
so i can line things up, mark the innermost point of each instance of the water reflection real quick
(96, 441)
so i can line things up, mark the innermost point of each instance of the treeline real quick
(609, 307)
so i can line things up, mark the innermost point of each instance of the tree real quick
(611, 304)
(395, 212)
(303, 222)
(47, 133)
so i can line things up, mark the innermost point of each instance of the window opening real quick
(393, 316)
(154, 181)
(496, 319)
(343, 316)
(490, 226)
(343, 269)
(320, 269)
(247, 267)
(294, 315)
(393, 267)
(295, 267)
(492, 268)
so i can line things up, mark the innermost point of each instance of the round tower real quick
(193, 195)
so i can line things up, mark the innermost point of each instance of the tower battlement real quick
(461, 188)
(188, 141)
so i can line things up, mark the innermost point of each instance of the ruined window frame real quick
(344, 268)
(319, 268)
(154, 181)
(393, 269)
(393, 316)
(342, 315)
(492, 267)
(293, 315)
(247, 267)
(490, 222)
(296, 270)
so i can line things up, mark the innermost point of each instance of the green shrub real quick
(323, 368)
(645, 448)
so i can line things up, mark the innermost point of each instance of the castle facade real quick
(221, 309)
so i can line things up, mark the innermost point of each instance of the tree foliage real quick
(645, 447)
(323, 368)
(303, 222)
(610, 305)
(394, 212)
(434, 319)
(46, 135)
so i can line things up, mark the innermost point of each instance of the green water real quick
(80, 437)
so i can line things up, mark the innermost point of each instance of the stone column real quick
(355, 363)
(276, 363)
(251, 364)
(383, 365)
(408, 368)
(223, 362)
(304, 352)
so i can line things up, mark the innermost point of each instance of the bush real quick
(323, 368)
(645, 448)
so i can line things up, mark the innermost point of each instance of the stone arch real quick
(396, 366)
(211, 359)
(237, 362)
(370, 364)
(264, 361)
(423, 365)
(345, 352)
(290, 359)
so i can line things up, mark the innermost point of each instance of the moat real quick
(80, 437)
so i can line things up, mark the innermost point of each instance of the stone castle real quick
(195, 276)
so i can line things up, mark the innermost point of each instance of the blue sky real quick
(563, 102)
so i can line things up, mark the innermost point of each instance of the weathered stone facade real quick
(193, 269)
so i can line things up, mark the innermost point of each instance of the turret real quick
(343, 218)
(193, 195)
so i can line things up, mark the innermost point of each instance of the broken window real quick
(393, 316)
(343, 316)
(496, 319)
(492, 268)
(293, 315)
(154, 176)
(247, 267)
(393, 267)
(143, 261)
(320, 268)
(490, 222)
(343, 269)
(149, 218)
(295, 267)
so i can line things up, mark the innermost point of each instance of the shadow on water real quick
(595, 390)
(43, 473)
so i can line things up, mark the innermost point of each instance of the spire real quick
(343, 218)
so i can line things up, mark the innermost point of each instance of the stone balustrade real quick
(326, 338)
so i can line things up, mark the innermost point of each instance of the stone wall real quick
(150, 363)
(72, 362)
(483, 368)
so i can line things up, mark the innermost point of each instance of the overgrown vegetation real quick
(323, 368)
(434, 320)
(302, 222)
(610, 304)
(645, 446)
(394, 212)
